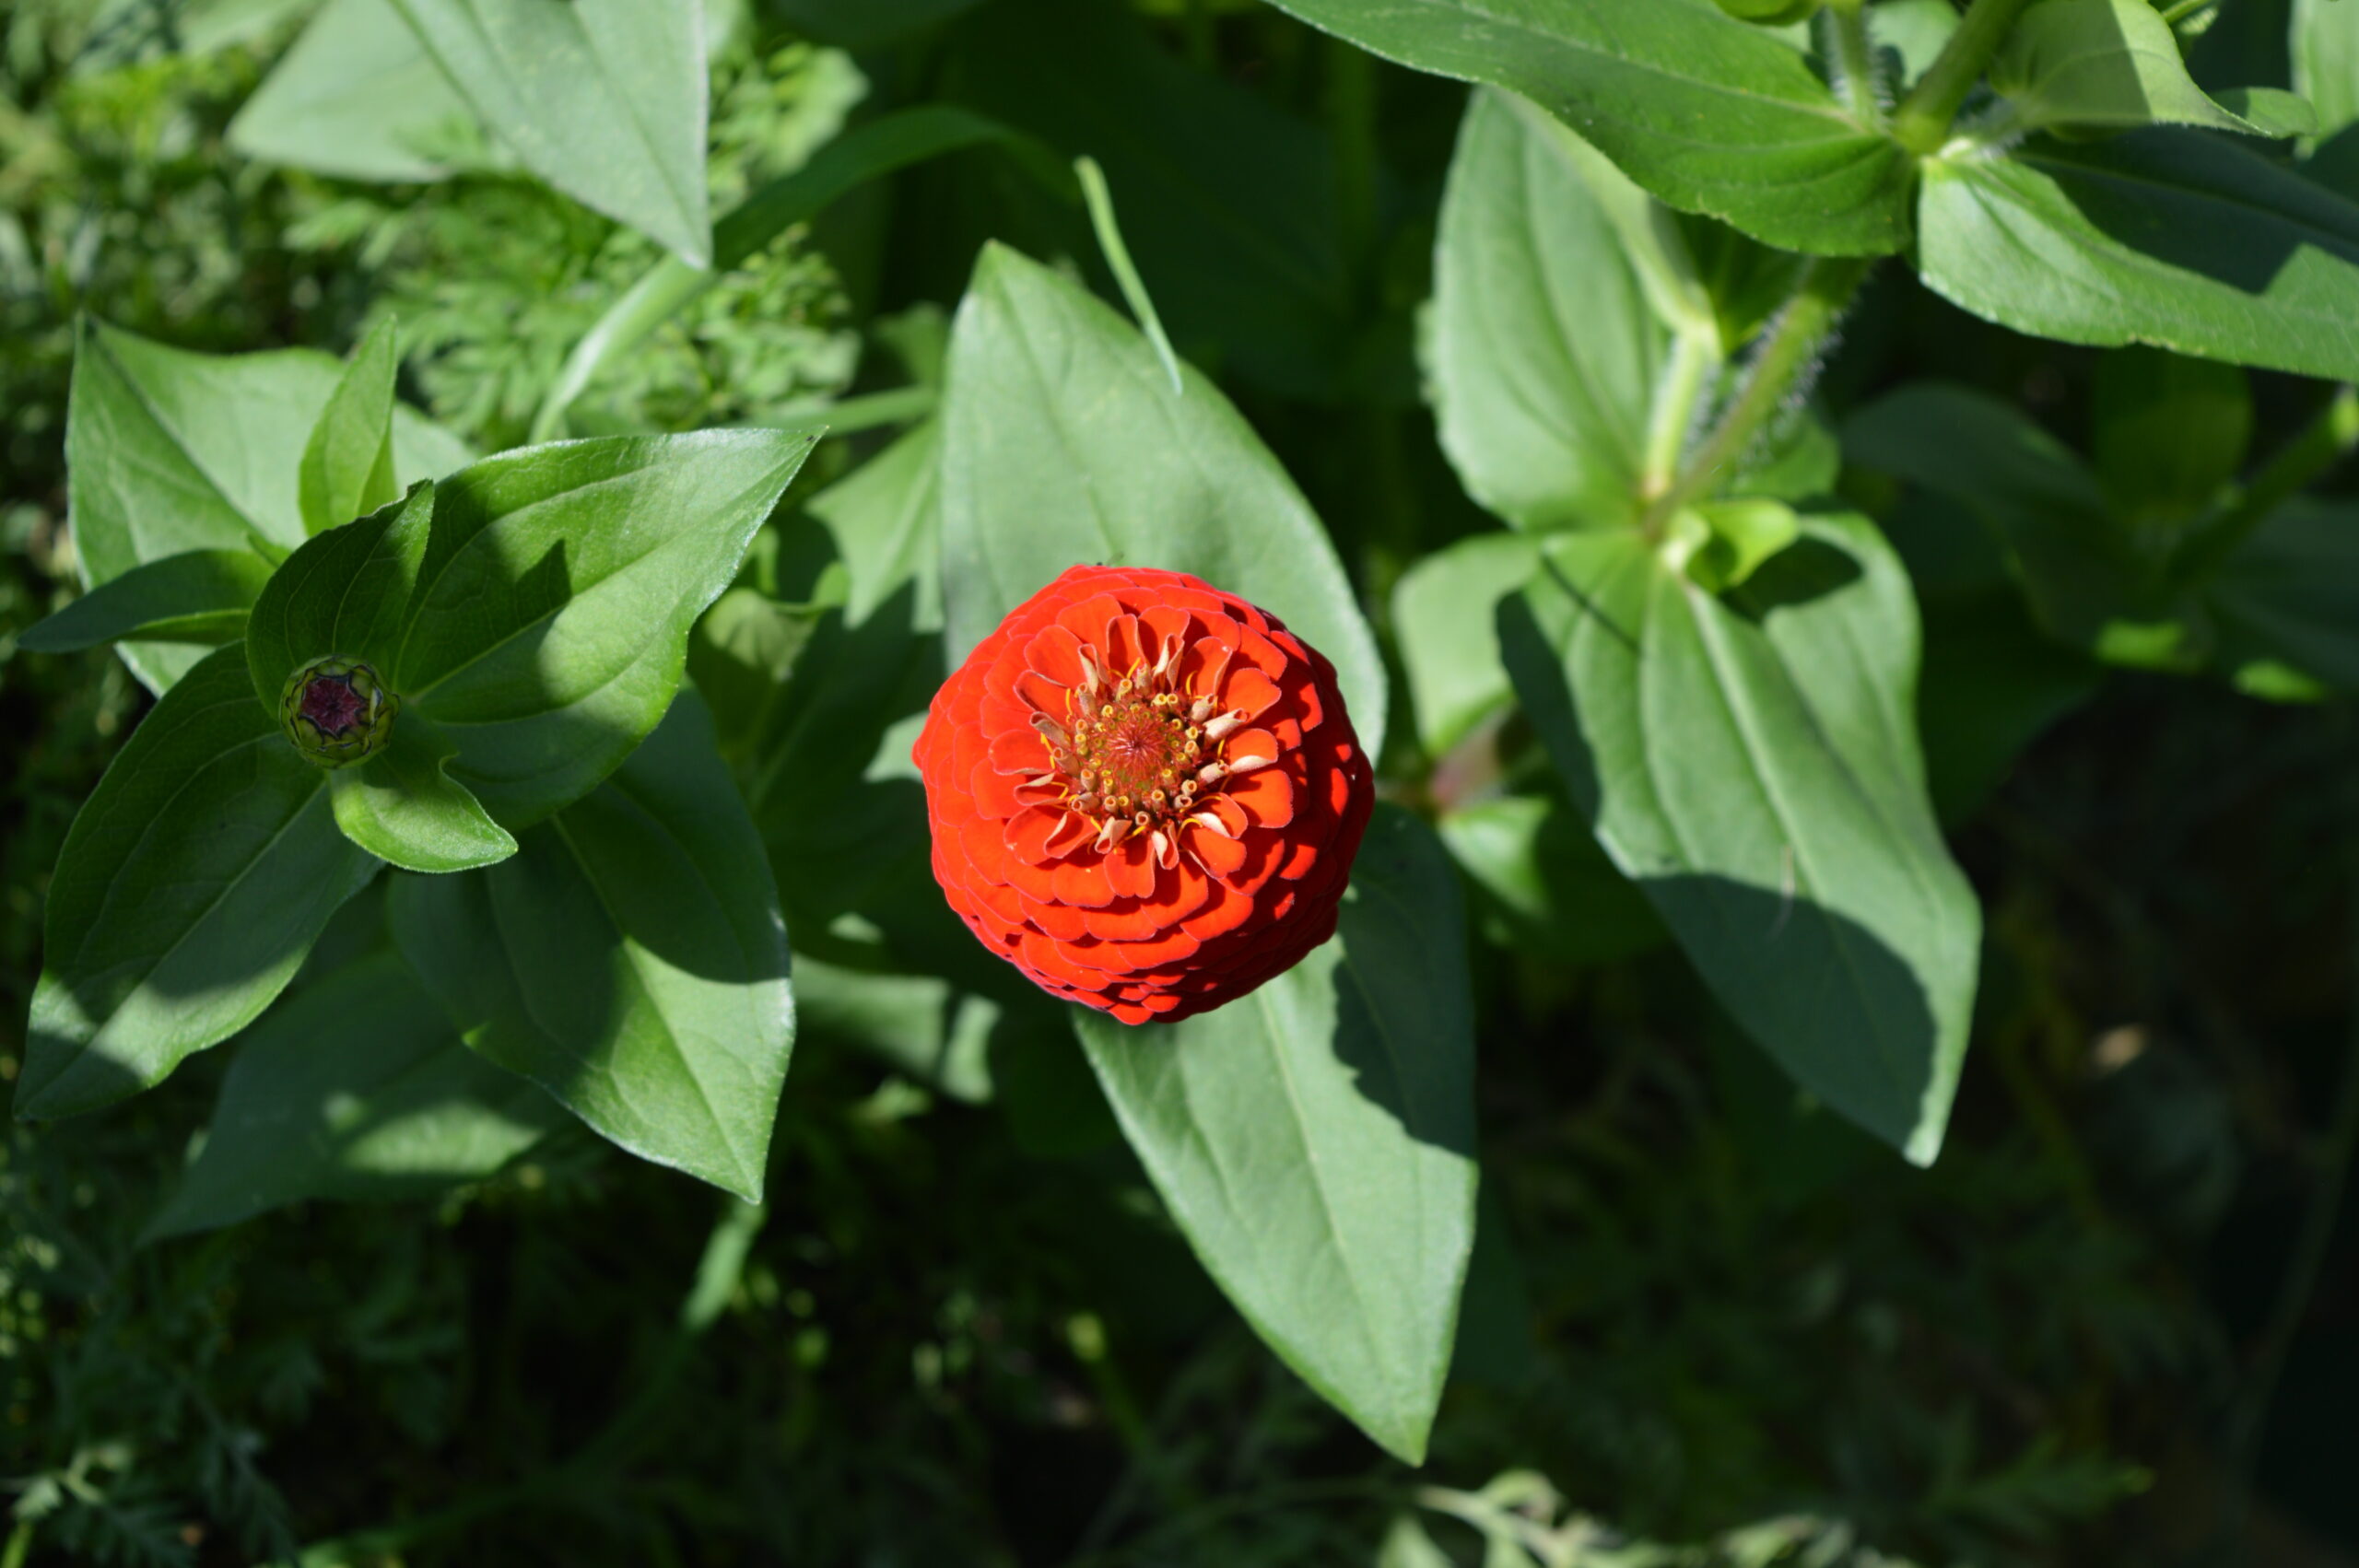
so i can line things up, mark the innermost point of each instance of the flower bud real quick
(336, 711)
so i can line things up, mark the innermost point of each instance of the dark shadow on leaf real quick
(1805, 570)
(1821, 992)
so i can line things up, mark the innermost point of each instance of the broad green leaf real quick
(1063, 443)
(1543, 354)
(742, 655)
(358, 97)
(1547, 890)
(2325, 61)
(606, 99)
(2084, 576)
(1710, 114)
(1232, 205)
(192, 882)
(535, 605)
(1442, 617)
(169, 451)
(2170, 434)
(1315, 1140)
(921, 1023)
(2286, 603)
(2173, 238)
(2270, 111)
(2101, 63)
(197, 596)
(356, 1089)
(885, 518)
(348, 464)
(1753, 764)
(630, 959)
(401, 805)
(1913, 32)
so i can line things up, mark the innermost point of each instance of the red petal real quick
(1250, 689)
(1028, 835)
(1082, 882)
(1130, 869)
(1055, 652)
(1266, 797)
(1217, 855)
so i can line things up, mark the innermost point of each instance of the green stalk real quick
(1923, 122)
(1693, 355)
(2327, 441)
(1855, 59)
(1789, 350)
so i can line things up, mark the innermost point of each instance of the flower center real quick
(1138, 755)
(330, 703)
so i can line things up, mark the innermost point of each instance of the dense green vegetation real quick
(1737, 1296)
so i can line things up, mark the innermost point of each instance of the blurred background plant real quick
(1723, 1327)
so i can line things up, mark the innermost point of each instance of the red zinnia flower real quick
(1144, 793)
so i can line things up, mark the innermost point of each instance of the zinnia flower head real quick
(1144, 793)
(336, 711)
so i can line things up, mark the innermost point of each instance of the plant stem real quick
(1784, 356)
(1923, 122)
(1693, 355)
(2327, 441)
(1855, 59)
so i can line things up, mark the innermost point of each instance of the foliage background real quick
(1711, 1317)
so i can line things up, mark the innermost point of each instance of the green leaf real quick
(354, 1089)
(1314, 1141)
(630, 959)
(194, 881)
(1547, 890)
(2100, 64)
(2270, 111)
(606, 99)
(2086, 582)
(1753, 764)
(2286, 603)
(2171, 433)
(921, 1023)
(1543, 354)
(402, 806)
(1064, 442)
(1442, 617)
(1710, 114)
(535, 605)
(359, 97)
(2172, 238)
(885, 518)
(197, 596)
(348, 464)
(169, 451)
(2325, 61)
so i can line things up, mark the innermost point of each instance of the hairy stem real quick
(1855, 59)
(1923, 122)
(1788, 353)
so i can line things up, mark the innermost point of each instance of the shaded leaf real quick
(192, 882)
(1063, 441)
(198, 596)
(402, 806)
(1753, 764)
(1314, 1141)
(169, 451)
(1544, 353)
(359, 97)
(2110, 64)
(606, 99)
(1710, 114)
(2170, 237)
(1450, 643)
(630, 959)
(348, 464)
(356, 1089)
